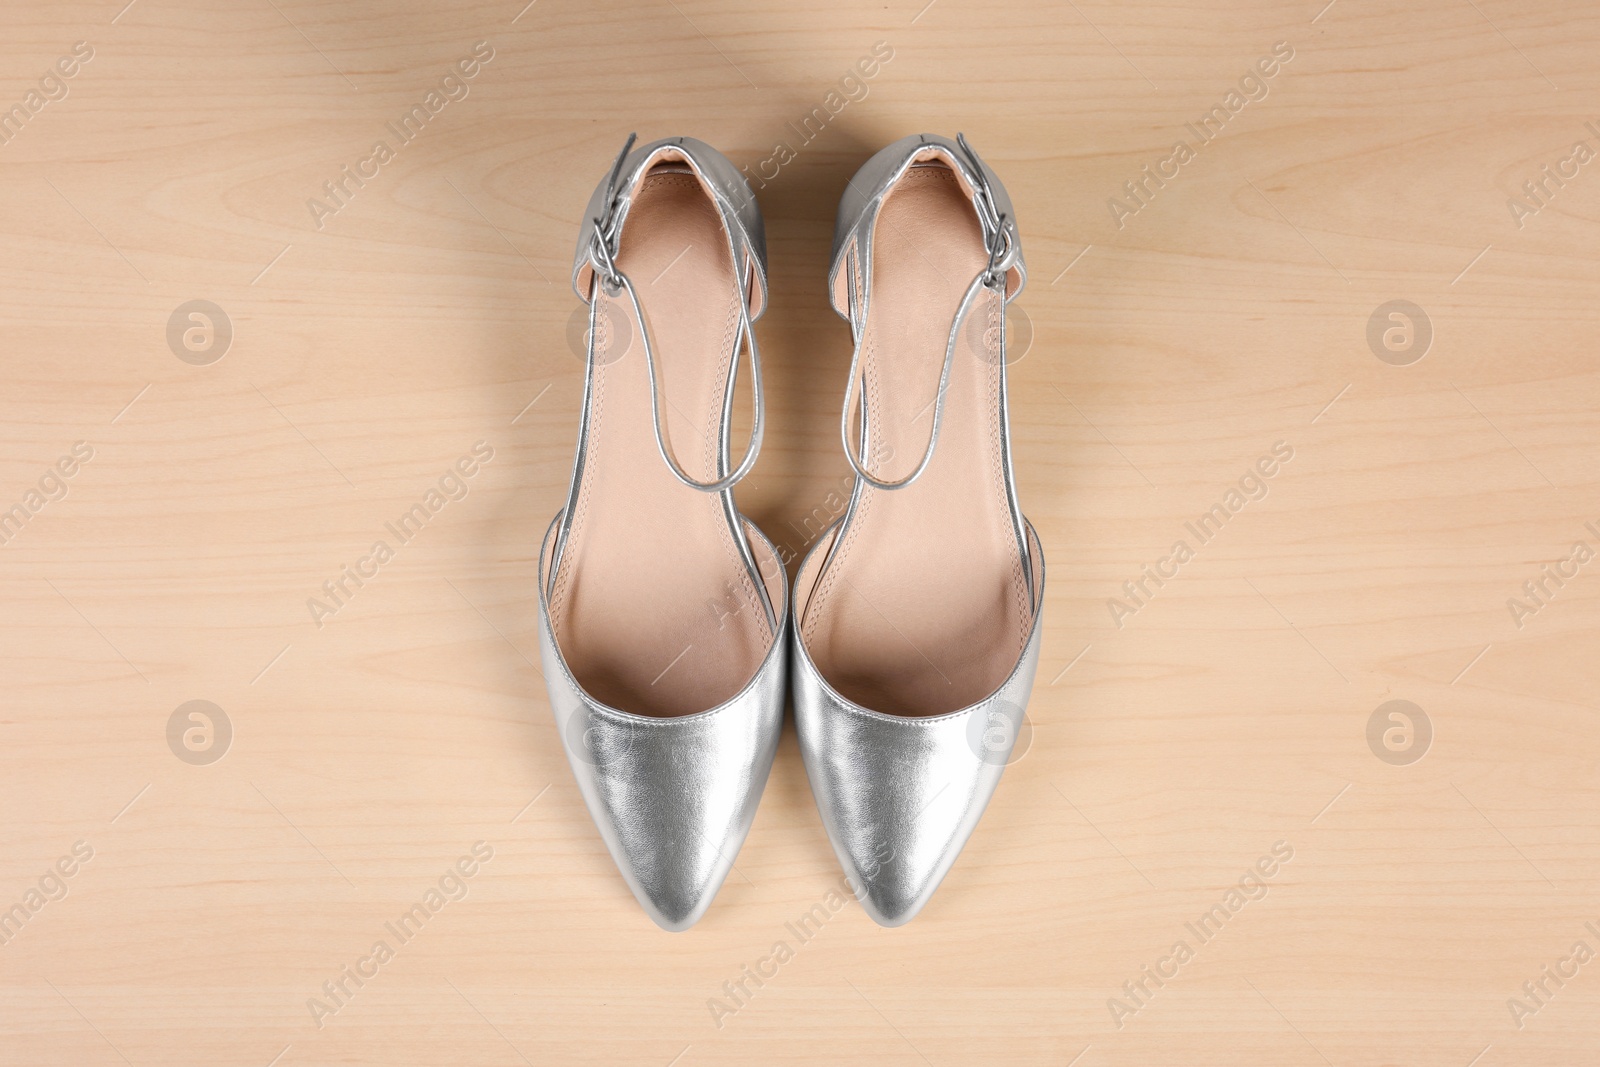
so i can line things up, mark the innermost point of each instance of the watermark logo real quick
(738, 991)
(851, 88)
(1399, 732)
(452, 486)
(1253, 86)
(338, 192)
(1536, 992)
(51, 87)
(589, 742)
(199, 332)
(450, 887)
(814, 523)
(1000, 733)
(1399, 333)
(199, 732)
(51, 886)
(1253, 885)
(51, 486)
(1540, 190)
(612, 334)
(1252, 486)
(983, 335)
(1552, 578)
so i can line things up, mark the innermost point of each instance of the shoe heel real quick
(863, 196)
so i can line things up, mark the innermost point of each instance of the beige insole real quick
(924, 607)
(652, 605)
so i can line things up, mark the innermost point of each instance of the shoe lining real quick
(653, 607)
(923, 608)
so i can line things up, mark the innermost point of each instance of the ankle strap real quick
(595, 267)
(851, 276)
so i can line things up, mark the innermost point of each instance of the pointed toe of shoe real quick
(672, 831)
(672, 797)
(891, 907)
(900, 795)
(674, 899)
(893, 889)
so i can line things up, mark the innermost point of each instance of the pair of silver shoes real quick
(667, 625)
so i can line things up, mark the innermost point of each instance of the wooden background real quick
(1166, 755)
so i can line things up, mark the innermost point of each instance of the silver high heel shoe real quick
(916, 616)
(661, 609)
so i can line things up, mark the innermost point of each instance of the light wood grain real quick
(1166, 755)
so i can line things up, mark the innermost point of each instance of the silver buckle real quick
(602, 247)
(1003, 252)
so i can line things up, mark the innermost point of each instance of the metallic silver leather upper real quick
(900, 795)
(599, 237)
(599, 241)
(864, 194)
(609, 205)
(850, 286)
(673, 797)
